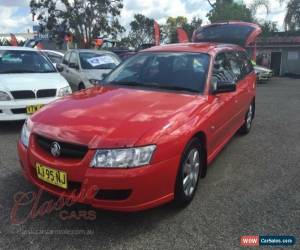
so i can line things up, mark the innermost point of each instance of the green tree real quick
(85, 19)
(268, 28)
(227, 10)
(172, 23)
(292, 17)
(141, 31)
(169, 29)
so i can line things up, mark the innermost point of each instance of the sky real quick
(15, 14)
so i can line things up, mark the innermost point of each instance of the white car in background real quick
(263, 73)
(28, 81)
(55, 57)
(86, 68)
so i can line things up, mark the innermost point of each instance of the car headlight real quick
(123, 158)
(95, 82)
(4, 96)
(26, 131)
(64, 91)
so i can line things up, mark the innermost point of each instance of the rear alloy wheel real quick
(245, 129)
(189, 173)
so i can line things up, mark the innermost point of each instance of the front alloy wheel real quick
(189, 173)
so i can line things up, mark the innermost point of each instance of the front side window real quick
(73, 59)
(90, 60)
(14, 61)
(235, 65)
(247, 66)
(172, 70)
(222, 71)
(66, 58)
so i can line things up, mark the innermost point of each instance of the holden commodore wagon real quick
(147, 134)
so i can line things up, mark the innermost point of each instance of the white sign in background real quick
(100, 60)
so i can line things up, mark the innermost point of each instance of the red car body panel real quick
(116, 117)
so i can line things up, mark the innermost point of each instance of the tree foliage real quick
(225, 11)
(141, 31)
(85, 19)
(292, 17)
(268, 28)
(169, 29)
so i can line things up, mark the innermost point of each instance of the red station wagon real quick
(146, 135)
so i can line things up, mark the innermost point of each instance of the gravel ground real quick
(252, 188)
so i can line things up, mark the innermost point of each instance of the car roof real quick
(53, 51)
(92, 51)
(208, 48)
(17, 48)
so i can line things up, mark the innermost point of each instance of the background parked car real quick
(263, 73)
(28, 81)
(85, 68)
(54, 56)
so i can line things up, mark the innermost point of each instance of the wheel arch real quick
(202, 136)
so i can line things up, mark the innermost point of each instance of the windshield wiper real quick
(17, 71)
(178, 88)
(130, 83)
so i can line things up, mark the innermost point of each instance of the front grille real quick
(28, 94)
(23, 94)
(45, 93)
(19, 111)
(68, 150)
(106, 194)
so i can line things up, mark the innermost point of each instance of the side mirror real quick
(74, 66)
(223, 87)
(59, 68)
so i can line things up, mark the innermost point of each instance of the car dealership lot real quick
(252, 188)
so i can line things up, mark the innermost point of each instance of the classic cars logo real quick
(38, 208)
(55, 149)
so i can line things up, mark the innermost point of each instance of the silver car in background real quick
(55, 57)
(86, 68)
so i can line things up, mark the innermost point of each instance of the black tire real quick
(81, 86)
(245, 129)
(181, 199)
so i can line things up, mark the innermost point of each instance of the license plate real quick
(33, 108)
(52, 176)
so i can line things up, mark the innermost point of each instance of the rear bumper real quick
(7, 108)
(149, 186)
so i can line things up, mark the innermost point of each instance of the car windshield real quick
(173, 70)
(90, 60)
(14, 61)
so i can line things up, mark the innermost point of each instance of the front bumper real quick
(148, 186)
(16, 109)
